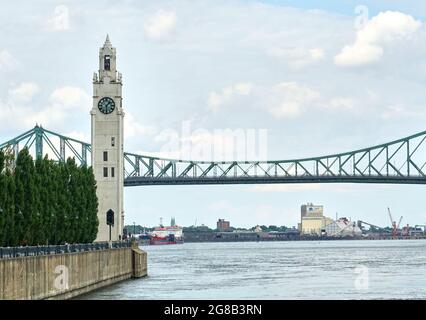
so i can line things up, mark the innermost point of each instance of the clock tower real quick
(107, 144)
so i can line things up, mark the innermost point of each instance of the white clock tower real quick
(107, 144)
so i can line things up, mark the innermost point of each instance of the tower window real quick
(112, 172)
(112, 141)
(107, 63)
(105, 172)
(105, 155)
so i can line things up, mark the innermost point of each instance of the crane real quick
(360, 222)
(395, 226)
(399, 223)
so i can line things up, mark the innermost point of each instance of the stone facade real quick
(107, 143)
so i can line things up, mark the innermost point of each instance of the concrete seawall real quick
(63, 276)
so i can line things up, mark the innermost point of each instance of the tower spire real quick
(107, 42)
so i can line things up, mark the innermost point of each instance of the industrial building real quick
(223, 225)
(312, 220)
(343, 228)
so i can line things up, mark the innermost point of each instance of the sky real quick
(319, 77)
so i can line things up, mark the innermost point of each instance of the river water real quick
(365, 269)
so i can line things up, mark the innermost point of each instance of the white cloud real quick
(134, 129)
(216, 145)
(160, 25)
(7, 61)
(297, 57)
(397, 111)
(60, 19)
(223, 207)
(71, 97)
(386, 28)
(23, 93)
(341, 103)
(291, 99)
(20, 111)
(78, 135)
(228, 94)
(317, 53)
(283, 100)
(66, 103)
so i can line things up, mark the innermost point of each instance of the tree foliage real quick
(45, 202)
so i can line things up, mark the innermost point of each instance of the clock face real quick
(106, 105)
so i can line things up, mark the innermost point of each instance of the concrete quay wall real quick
(63, 276)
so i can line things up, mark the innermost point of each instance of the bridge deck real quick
(401, 161)
(140, 181)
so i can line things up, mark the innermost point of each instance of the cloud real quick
(20, 111)
(223, 207)
(71, 97)
(397, 112)
(317, 54)
(160, 25)
(228, 94)
(297, 57)
(60, 19)
(216, 145)
(66, 103)
(23, 93)
(133, 129)
(282, 100)
(387, 28)
(7, 61)
(341, 103)
(290, 99)
(78, 135)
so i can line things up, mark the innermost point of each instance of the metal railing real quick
(14, 252)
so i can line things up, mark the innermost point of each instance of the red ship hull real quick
(163, 241)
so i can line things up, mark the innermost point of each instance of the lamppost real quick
(134, 228)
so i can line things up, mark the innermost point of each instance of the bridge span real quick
(400, 161)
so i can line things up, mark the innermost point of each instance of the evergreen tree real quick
(93, 222)
(19, 201)
(27, 204)
(10, 234)
(62, 222)
(45, 202)
(74, 199)
(42, 220)
(3, 196)
(37, 223)
(83, 206)
(53, 205)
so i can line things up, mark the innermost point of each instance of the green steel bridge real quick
(397, 162)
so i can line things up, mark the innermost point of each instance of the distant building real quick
(312, 220)
(223, 225)
(342, 228)
(311, 210)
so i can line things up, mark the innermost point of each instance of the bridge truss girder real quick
(401, 161)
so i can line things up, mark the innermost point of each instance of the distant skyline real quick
(316, 75)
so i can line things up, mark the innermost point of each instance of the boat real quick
(172, 234)
(144, 239)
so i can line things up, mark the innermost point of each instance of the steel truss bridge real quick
(401, 161)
